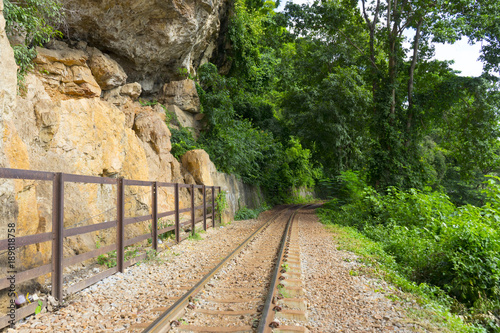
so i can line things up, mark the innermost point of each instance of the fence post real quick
(154, 211)
(204, 208)
(213, 206)
(58, 233)
(120, 228)
(192, 210)
(177, 228)
(218, 208)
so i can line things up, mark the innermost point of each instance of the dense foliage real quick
(389, 108)
(245, 213)
(321, 89)
(432, 240)
(236, 145)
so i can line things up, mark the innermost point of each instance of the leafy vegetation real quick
(331, 86)
(348, 85)
(236, 145)
(195, 237)
(182, 141)
(109, 259)
(245, 213)
(162, 224)
(220, 205)
(430, 239)
(33, 21)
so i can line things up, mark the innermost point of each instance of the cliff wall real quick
(79, 113)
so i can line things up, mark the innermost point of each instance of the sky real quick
(465, 56)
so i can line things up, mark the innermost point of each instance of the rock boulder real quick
(107, 72)
(198, 163)
(65, 71)
(182, 94)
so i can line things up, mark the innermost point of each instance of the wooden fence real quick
(59, 232)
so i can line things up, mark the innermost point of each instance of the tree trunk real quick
(411, 74)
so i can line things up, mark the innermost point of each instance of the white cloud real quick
(465, 57)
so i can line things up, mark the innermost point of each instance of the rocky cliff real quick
(152, 40)
(80, 114)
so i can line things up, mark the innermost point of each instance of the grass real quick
(434, 312)
(283, 292)
(195, 237)
(110, 259)
(152, 256)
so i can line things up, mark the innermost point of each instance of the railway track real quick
(255, 288)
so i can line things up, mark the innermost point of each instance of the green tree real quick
(331, 118)
(400, 122)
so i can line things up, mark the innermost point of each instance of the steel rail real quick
(267, 312)
(162, 323)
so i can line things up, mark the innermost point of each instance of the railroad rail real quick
(255, 288)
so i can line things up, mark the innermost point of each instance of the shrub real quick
(246, 213)
(36, 20)
(182, 141)
(432, 241)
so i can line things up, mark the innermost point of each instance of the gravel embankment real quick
(122, 301)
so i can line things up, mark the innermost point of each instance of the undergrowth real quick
(110, 259)
(245, 213)
(449, 253)
(196, 236)
(435, 307)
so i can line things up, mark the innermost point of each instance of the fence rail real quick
(59, 232)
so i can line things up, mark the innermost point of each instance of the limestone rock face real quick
(198, 163)
(151, 129)
(185, 119)
(86, 136)
(181, 99)
(8, 72)
(150, 39)
(107, 72)
(122, 95)
(132, 89)
(66, 72)
(182, 94)
(63, 54)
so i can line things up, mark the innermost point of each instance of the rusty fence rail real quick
(59, 232)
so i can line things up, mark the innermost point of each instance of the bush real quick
(36, 20)
(432, 241)
(246, 213)
(182, 141)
